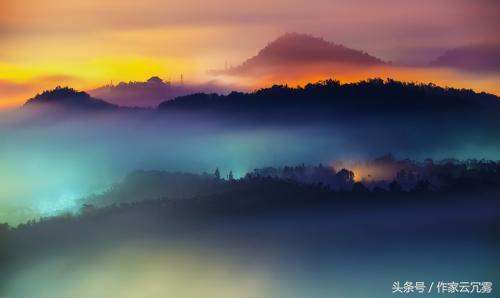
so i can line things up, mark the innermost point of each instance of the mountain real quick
(296, 49)
(68, 99)
(478, 58)
(331, 101)
(446, 176)
(147, 185)
(149, 93)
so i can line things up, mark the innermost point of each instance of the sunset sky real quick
(86, 44)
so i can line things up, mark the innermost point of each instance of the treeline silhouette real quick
(66, 97)
(445, 176)
(163, 203)
(253, 195)
(176, 195)
(449, 175)
(365, 100)
(389, 101)
(279, 187)
(180, 196)
(246, 196)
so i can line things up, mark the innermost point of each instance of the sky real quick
(86, 44)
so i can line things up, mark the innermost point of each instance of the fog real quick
(49, 160)
(139, 270)
(339, 252)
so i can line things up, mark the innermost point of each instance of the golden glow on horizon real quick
(99, 72)
(368, 172)
(86, 44)
(95, 73)
(439, 76)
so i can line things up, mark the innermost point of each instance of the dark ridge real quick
(444, 176)
(68, 98)
(327, 100)
(267, 196)
(278, 189)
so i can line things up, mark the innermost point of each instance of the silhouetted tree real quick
(230, 176)
(345, 177)
(421, 186)
(359, 187)
(217, 174)
(394, 186)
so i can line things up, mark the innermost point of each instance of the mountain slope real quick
(151, 92)
(365, 101)
(295, 48)
(472, 58)
(68, 99)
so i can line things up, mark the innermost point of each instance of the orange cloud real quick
(96, 41)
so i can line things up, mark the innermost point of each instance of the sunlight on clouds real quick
(304, 74)
(87, 75)
(92, 59)
(86, 44)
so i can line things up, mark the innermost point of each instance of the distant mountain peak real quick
(68, 98)
(153, 91)
(480, 57)
(304, 44)
(296, 48)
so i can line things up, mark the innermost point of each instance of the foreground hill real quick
(382, 175)
(290, 232)
(257, 206)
